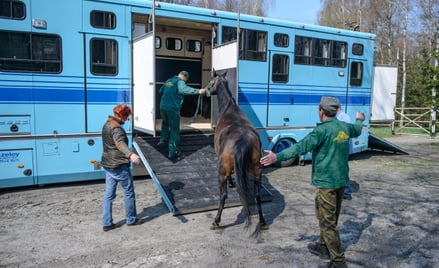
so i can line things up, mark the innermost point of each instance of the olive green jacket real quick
(115, 144)
(329, 144)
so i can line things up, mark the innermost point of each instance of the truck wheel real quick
(279, 146)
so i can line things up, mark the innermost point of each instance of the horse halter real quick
(212, 83)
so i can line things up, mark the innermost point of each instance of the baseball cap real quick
(329, 104)
(185, 74)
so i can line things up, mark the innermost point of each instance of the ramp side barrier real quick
(154, 179)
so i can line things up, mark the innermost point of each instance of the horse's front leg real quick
(222, 201)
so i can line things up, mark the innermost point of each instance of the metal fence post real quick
(433, 121)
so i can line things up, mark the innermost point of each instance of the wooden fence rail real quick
(415, 118)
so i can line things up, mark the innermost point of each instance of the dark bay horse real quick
(238, 148)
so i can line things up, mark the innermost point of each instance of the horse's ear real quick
(224, 74)
(214, 73)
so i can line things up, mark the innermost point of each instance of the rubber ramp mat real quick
(190, 184)
(377, 143)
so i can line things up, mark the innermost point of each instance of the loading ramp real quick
(379, 144)
(190, 184)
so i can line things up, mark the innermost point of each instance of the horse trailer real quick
(64, 65)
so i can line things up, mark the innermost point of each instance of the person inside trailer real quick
(172, 95)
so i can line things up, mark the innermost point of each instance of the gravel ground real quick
(392, 221)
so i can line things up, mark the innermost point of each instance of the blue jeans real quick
(347, 190)
(123, 176)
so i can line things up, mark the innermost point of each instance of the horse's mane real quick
(224, 85)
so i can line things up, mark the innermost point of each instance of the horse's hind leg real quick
(223, 197)
(231, 183)
(258, 204)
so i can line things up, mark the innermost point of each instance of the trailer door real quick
(144, 81)
(358, 93)
(385, 79)
(225, 58)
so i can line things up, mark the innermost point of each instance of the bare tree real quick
(207, 4)
(180, 2)
(252, 7)
(407, 34)
(429, 20)
(382, 23)
(231, 5)
(346, 14)
(404, 54)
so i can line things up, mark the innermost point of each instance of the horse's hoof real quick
(232, 183)
(215, 226)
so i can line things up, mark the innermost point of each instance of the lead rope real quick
(209, 87)
(196, 111)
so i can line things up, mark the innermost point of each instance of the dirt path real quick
(392, 221)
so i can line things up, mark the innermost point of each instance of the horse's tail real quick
(243, 156)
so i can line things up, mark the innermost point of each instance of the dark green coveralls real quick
(172, 96)
(329, 144)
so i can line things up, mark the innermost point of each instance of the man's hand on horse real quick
(203, 91)
(268, 159)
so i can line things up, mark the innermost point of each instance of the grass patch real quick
(384, 132)
(381, 132)
(413, 131)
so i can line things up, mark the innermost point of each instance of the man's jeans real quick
(347, 190)
(123, 176)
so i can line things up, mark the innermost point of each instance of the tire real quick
(279, 146)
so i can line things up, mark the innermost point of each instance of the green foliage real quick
(431, 77)
(415, 85)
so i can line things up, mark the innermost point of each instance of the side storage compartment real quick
(16, 154)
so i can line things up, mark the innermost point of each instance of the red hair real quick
(122, 111)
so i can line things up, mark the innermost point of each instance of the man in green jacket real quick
(329, 144)
(172, 95)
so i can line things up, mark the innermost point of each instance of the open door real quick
(357, 101)
(225, 58)
(144, 84)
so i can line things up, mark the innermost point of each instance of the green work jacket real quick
(172, 94)
(329, 144)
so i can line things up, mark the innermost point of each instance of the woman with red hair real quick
(116, 162)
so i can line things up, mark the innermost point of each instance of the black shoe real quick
(162, 143)
(109, 227)
(175, 157)
(137, 222)
(347, 197)
(334, 264)
(319, 249)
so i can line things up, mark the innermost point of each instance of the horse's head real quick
(215, 81)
